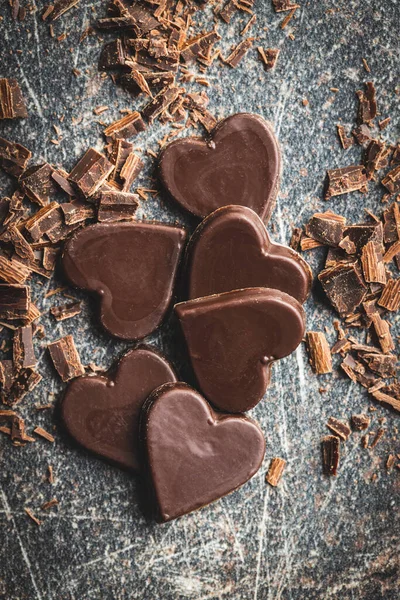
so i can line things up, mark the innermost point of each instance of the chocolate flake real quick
(199, 46)
(383, 364)
(65, 358)
(360, 422)
(13, 271)
(23, 352)
(268, 57)
(295, 239)
(37, 183)
(23, 384)
(117, 206)
(343, 286)
(21, 246)
(43, 221)
(339, 428)
(76, 212)
(275, 471)
(362, 134)
(112, 56)
(347, 179)
(378, 436)
(330, 454)
(61, 178)
(346, 141)
(49, 504)
(390, 297)
(239, 52)
(159, 104)
(367, 104)
(12, 103)
(387, 399)
(283, 5)
(391, 459)
(326, 228)
(130, 125)
(392, 180)
(14, 301)
(376, 157)
(130, 171)
(90, 172)
(44, 434)
(381, 327)
(372, 263)
(66, 311)
(13, 157)
(60, 7)
(320, 356)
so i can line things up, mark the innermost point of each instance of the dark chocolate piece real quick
(367, 104)
(60, 7)
(132, 267)
(343, 285)
(346, 141)
(361, 234)
(38, 184)
(65, 358)
(76, 212)
(13, 157)
(198, 46)
(91, 172)
(23, 383)
(112, 56)
(326, 228)
(383, 364)
(130, 171)
(373, 267)
(239, 52)
(360, 422)
(117, 206)
(233, 339)
(160, 103)
(390, 298)
(14, 301)
(320, 355)
(275, 471)
(13, 271)
(102, 412)
(376, 157)
(61, 178)
(12, 103)
(66, 311)
(240, 165)
(348, 179)
(195, 455)
(330, 454)
(23, 352)
(126, 127)
(43, 221)
(268, 57)
(339, 428)
(231, 250)
(362, 135)
(392, 180)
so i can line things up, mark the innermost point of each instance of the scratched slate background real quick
(312, 537)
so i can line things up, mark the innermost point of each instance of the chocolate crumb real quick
(275, 471)
(360, 422)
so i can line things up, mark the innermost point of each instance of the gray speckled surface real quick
(312, 537)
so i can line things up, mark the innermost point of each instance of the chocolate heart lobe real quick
(195, 455)
(233, 338)
(240, 165)
(231, 250)
(132, 267)
(101, 412)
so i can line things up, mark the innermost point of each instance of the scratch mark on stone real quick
(302, 375)
(232, 528)
(260, 543)
(24, 553)
(30, 90)
(37, 38)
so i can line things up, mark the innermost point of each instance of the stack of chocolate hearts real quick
(242, 311)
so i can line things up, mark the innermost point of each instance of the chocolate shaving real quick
(346, 141)
(391, 459)
(23, 384)
(43, 221)
(117, 206)
(343, 181)
(392, 180)
(362, 135)
(65, 358)
(378, 436)
(330, 454)
(12, 103)
(372, 263)
(199, 46)
(44, 434)
(159, 104)
(283, 5)
(339, 428)
(239, 52)
(381, 327)
(49, 504)
(32, 516)
(14, 301)
(367, 104)
(130, 171)
(360, 422)
(268, 57)
(295, 239)
(129, 126)
(91, 172)
(383, 364)
(387, 399)
(390, 297)
(66, 311)
(376, 157)
(13, 157)
(60, 7)
(275, 471)
(320, 356)
(13, 271)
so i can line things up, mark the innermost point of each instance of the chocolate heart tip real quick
(231, 249)
(132, 267)
(242, 166)
(195, 455)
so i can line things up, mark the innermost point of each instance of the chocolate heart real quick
(231, 250)
(102, 412)
(132, 267)
(240, 165)
(233, 338)
(195, 455)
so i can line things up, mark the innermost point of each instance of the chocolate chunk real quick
(283, 5)
(130, 171)
(231, 250)
(390, 297)
(357, 372)
(268, 57)
(344, 287)
(12, 103)
(228, 10)
(14, 301)
(382, 329)
(65, 358)
(294, 243)
(275, 471)
(132, 267)
(239, 52)
(362, 135)
(61, 178)
(117, 206)
(112, 56)
(119, 150)
(159, 104)
(194, 454)
(361, 234)
(376, 157)
(49, 258)
(13, 157)
(102, 412)
(76, 212)
(24, 383)
(383, 364)
(136, 17)
(392, 180)
(326, 228)
(241, 165)
(21, 247)
(348, 179)
(66, 311)
(247, 330)
(23, 352)
(200, 45)
(330, 454)
(91, 172)
(341, 429)
(60, 7)
(130, 125)
(37, 183)
(360, 422)
(367, 104)
(372, 263)
(387, 399)
(320, 355)
(43, 221)
(346, 141)
(391, 223)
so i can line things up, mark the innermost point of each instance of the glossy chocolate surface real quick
(132, 267)
(233, 338)
(101, 412)
(240, 165)
(231, 250)
(196, 455)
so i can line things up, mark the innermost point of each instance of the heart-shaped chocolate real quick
(132, 267)
(101, 412)
(231, 250)
(240, 165)
(194, 454)
(233, 338)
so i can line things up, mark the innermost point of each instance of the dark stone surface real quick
(312, 537)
